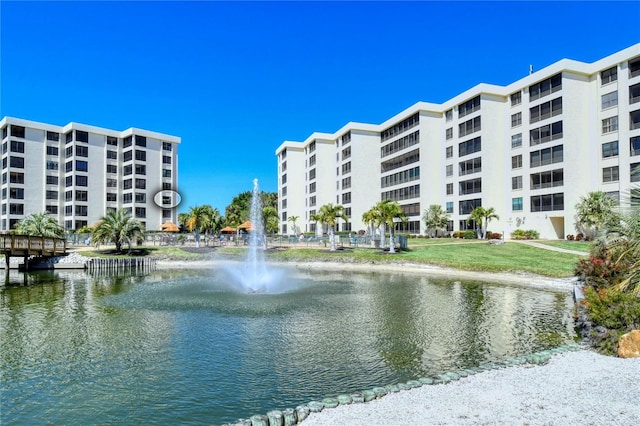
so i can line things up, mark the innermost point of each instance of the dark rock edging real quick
(300, 413)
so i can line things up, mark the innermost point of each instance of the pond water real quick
(179, 347)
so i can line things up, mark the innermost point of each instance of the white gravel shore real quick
(574, 388)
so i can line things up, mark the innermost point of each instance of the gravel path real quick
(574, 388)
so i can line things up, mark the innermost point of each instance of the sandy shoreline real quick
(521, 279)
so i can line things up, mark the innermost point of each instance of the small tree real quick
(119, 227)
(329, 215)
(390, 211)
(483, 216)
(293, 219)
(594, 210)
(435, 218)
(40, 225)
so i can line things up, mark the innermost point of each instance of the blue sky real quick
(235, 80)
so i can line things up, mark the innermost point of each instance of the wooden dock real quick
(26, 245)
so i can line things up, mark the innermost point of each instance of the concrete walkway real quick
(548, 247)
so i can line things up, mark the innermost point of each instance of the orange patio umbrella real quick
(228, 230)
(247, 225)
(170, 227)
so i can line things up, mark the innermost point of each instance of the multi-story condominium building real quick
(78, 172)
(530, 150)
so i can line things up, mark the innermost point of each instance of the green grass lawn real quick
(569, 245)
(460, 254)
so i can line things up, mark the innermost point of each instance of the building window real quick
(52, 150)
(17, 162)
(516, 119)
(17, 209)
(81, 210)
(516, 98)
(634, 145)
(111, 197)
(82, 151)
(545, 87)
(141, 183)
(82, 181)
(112, 155)
(449, 152)
(610, 174)
(51, 209)
(634, 120)
(470, 166)
(449, 189)
(127, 184)
(546, 156)
(449, 133)
(312, 174)
(346, 198)
(112, 140)
(112, 183)
(15, 177)
(127, 170)
(68, 181)
(610, 149)
(68, 151)
(112, 168)
(469, 147)
(634, 93)
(52, 165)
(467, 206)
(312, 187)
(166, 186)
(52, 180)
(17, 131)
(68, 166)
(82, 195)
(545, 110)
(548, 179)
(609, 100)
(167, 160)
(141, 155)
(141, 141)
(346, 183)
(68, 137)
(126, 142)
(609, 76)
(53, 136)
(141, 197)
(127, 156)
(127, 198)
(16, 193)
(82, 166)
(610, 124)
(167, 174)
(516, 141)
(448, 115)
(516, 182)
(516, 204)
(471, 186)
(449, 207)
(449, 169)
(17, 146)
(469, 107)
(548, 202)
(634, 68)
(82, 136)
(516, 161)
(166, 146)
(546, 133)
(635, 172)
(470, 126)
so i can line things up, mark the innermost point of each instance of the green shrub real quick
(617, 312)
(521, 234)
(469, 235)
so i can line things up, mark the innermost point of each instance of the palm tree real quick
(199, 220)
(594, 210)
(293, 219)
(182, 219)
(390, 211)
(40, 225)
(435, 218)
(315, 218)
(483, 216)
(270, 219)
(119, 227)
(329, 215)
(369, 218)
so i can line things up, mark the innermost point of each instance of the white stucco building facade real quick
(530, 150)
(78, 172)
